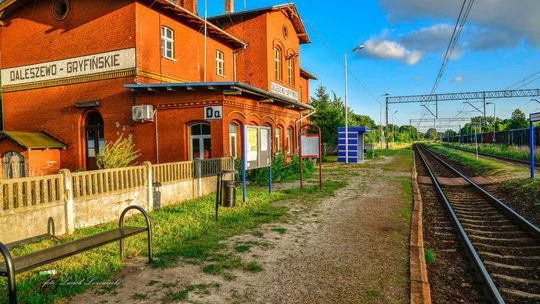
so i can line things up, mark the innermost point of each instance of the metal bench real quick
(13, 266)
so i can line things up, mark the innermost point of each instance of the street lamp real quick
(358, 48)
(380, 118)
(494, 118)
(393, 129)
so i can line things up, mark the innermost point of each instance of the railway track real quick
(503, 246)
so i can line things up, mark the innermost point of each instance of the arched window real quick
(277, 139)
(200, 139)
(290, 71)
(94, 138)
(277, 62)
(233, 140)
(13, 165)
(289, 140)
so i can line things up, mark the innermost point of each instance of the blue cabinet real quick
(355, 144)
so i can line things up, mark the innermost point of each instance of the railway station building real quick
(82, 73)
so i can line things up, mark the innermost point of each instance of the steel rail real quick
(491, 289)
(520, 220)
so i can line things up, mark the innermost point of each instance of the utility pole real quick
(346, 112)
(386, 130)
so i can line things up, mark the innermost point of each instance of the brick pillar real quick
(69, 206)
(229, 6)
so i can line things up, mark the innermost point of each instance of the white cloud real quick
(384, 49)
(433, 38)
(513, 20)
(458, 79)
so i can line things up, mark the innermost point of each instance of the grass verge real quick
(482, 166)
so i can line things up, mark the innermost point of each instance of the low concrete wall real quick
(59, 204)
(31, 223)
(107, 208)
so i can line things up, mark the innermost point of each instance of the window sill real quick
(170, 59)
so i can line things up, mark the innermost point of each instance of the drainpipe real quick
(157, 135)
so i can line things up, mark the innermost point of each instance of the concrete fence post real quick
(149, 186)
(198, 175)
(69, 206)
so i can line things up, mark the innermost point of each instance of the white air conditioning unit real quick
(142, 113)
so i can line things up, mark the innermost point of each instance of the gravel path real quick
(352, 248)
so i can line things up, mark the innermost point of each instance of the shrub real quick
(118, 154)
(281, 170)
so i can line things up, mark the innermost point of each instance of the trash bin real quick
(229, 193)
(228, 189)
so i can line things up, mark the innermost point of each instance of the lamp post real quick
(494, 119)
(380, 119)
(358, 48)
(393, 129)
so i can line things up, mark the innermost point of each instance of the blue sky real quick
(405, 41)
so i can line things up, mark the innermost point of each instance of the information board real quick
(258, 147)
(310, 145)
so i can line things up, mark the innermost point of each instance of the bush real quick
(281, 170)
(118, 154)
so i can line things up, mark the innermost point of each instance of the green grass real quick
(406, 207)
(280, 230)
(525, 187)
(517, 152)
(253, 267)
(430, 256)
(182, 295)
(481, 166)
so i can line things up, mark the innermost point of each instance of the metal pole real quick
(494, 121)
(386, 129)
(346, 113)
(244, 163)
(485, 115)
(476, 141)
(380, 123)
(531, 143)
(300, 159)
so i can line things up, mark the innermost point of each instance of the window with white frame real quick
(289, 141)
(290, 71)
(277, 62)
(278, 139)
(167, 42)
(233, 140)
(220, 63)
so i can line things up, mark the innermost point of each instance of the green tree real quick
(518, 120)
(329, 115)
(118, 154)
(431, 134)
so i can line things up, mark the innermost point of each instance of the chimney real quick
(229, 6)
(190, 5)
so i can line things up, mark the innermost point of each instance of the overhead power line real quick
(525, 81)
(460, 23)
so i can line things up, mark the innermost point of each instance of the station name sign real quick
(279, 89)
(72, 67)
(535, 117)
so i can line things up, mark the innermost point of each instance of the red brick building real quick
(79, 71)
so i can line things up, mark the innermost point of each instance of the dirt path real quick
(351, 248)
